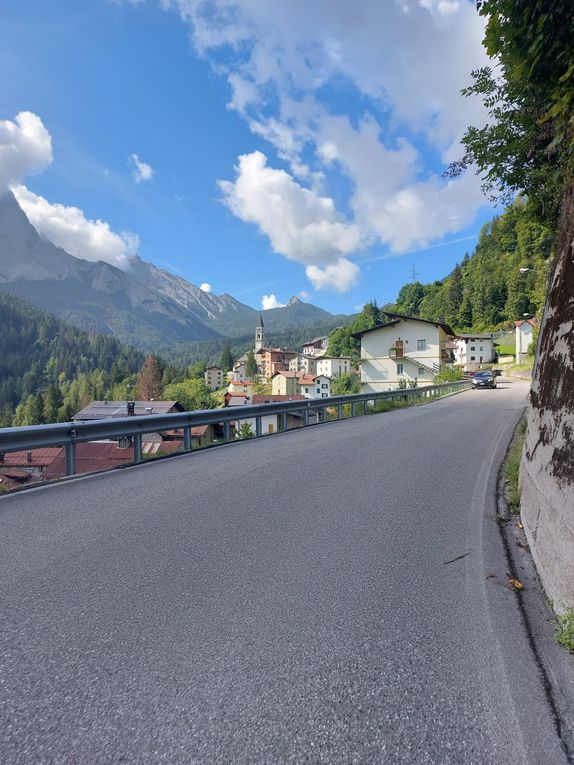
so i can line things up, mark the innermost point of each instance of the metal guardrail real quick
(68, 434)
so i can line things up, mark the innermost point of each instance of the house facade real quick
(332, 366)
(214, 378)
(302, 363)
(316, 347)
(288, 383)
(271, 360)
(524, 337)
(471, 351)
(403, 350)
(241, 386)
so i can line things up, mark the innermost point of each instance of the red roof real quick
(92, 456)
(38, 457)
(519, 322)
(241, 382)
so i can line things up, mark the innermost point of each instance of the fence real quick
(313, 411)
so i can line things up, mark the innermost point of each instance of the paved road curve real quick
(285, 600)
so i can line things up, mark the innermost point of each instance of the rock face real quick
(143, 306)
(547, 470)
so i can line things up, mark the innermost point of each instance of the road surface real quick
(284, 600)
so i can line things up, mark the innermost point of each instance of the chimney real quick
(1, 457)
(29, 457)
(131, 406)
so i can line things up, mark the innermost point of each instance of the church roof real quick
(260, 322)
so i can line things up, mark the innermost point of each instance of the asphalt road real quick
(285, 600)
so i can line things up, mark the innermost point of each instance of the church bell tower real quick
(259, 334)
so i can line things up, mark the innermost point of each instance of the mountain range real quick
(143, 305)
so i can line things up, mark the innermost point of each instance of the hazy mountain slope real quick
(96, 296)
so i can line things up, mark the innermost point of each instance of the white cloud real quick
(300, 224)
(407, 60)
(270, 301)
(339, 276)
(304, 295)
(68, 227)
(25, 149)
(205, 287)
(141, 171)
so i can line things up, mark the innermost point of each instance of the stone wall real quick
(547, 470)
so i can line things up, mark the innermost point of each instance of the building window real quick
(325, 395)
(421, 371)
(318, 390)
(473, 348)
(473, 358)
(481, 348)
(306, 390)
(324, 385)
(421, 345)
(399, 369)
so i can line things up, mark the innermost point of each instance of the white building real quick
(404, 348)
(524, 337)
(314, 387)
(316, 347)
(214, 378)
(473, 350)
(302, 363)
(332, 366)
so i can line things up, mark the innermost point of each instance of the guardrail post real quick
(306, 416)
(353, 409)
(283, 422)
(71, 458)
(187, 445)
(138, 447)
(340, 412)
(226, 431)
(258, 427)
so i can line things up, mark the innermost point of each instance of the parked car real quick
(496, 372)
(468, 375)
(483, 380)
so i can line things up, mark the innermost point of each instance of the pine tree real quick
(226, 362)
(149, 382)
(251, 370)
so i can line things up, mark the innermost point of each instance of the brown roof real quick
(106, 410)
(92, 456)
(519, 322)
(38, 457)
(263, 399)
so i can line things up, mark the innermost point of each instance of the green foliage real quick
(251, 370)
(488, 290)
(150, 379)
(192, 393)
(564, 632)
(447, 375)
(197, 370)
(527, 144)
(345, 384)
(341, 342)
(511, 469)
(49, 370)
(226, 360)
(244, 432)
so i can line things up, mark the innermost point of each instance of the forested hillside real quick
(48, 368)
(488, 290)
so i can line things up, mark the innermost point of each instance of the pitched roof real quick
(106, 410)
(91, 457)
(38, 457)
(520, 322)
(395, 318)
(478, 336)
(260, 323)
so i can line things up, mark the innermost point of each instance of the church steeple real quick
(259, 334)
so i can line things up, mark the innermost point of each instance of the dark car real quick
(497, 372)
(483, 380)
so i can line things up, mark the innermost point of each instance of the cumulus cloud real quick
(300, 224)
(270, 301)
(68, 227)
(284, 76)
(141, 171)
(339, 276)
(205, 287)
(25, 149)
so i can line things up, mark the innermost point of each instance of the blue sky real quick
(264, 149)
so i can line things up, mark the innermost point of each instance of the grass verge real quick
(511, 469)
(564, 632)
